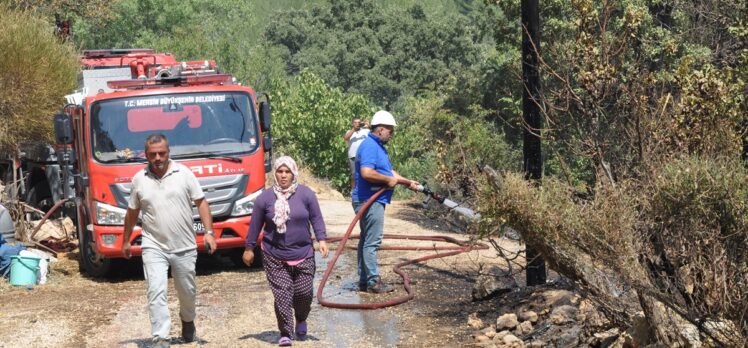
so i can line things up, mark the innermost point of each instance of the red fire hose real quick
(461, 247)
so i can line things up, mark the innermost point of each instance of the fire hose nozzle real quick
(452, 205)
(429, 193)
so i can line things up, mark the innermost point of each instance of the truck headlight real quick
(109, 215)
(245, 205)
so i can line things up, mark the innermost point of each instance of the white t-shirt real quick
(166, 207)
(356, 138)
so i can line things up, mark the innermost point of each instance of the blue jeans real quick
(372, 232)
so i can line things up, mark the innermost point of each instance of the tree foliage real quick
(365, 48)
(630, 84)
(654, 111)
(445, 150)
(64, 9)
(310, 119)
(37, 71)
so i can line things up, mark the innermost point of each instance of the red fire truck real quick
(215, 126)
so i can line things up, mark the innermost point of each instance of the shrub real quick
(676, 237)
(446, 150)
(697, 222)
(36, 71)
(310, 119)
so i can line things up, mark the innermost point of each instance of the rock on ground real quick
(507, 321)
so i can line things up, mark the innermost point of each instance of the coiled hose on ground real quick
(461, 247)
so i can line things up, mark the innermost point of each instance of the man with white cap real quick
(374, 171)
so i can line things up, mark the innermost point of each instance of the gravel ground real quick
(235, 307)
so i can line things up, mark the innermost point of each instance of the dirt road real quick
(235, 307)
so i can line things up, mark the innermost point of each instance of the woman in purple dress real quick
(286, 213)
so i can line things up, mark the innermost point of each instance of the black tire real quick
(235, 255)
(90, 261)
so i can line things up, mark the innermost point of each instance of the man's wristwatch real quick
(210, 232)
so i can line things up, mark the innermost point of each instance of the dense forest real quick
(644, 201)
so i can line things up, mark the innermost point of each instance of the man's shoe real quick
(380, 288)
(188, 331)
(160, 342)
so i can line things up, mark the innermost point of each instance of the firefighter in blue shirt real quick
(374, 171)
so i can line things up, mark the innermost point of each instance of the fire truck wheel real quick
(91, 262)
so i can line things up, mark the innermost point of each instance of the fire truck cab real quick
(214, 125)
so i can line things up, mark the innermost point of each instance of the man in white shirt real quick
(354, 136)
(164, 192)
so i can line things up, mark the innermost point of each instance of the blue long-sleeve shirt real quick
(296, 243)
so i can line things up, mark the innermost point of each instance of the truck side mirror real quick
(64, 128)
(268, 164)
(265, 116)
(267, 143)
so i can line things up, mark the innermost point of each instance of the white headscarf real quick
(282, 209)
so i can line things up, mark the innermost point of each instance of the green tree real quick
(310, 119)
(366, 48)
(606, 83)
(447, 151)
(52, 10)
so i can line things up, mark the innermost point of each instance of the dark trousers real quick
(292, 290)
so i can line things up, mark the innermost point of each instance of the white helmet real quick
(382, 117)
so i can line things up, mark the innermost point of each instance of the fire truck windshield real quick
(196, 124)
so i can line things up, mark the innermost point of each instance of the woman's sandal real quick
(285, 342)
(301, 330)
